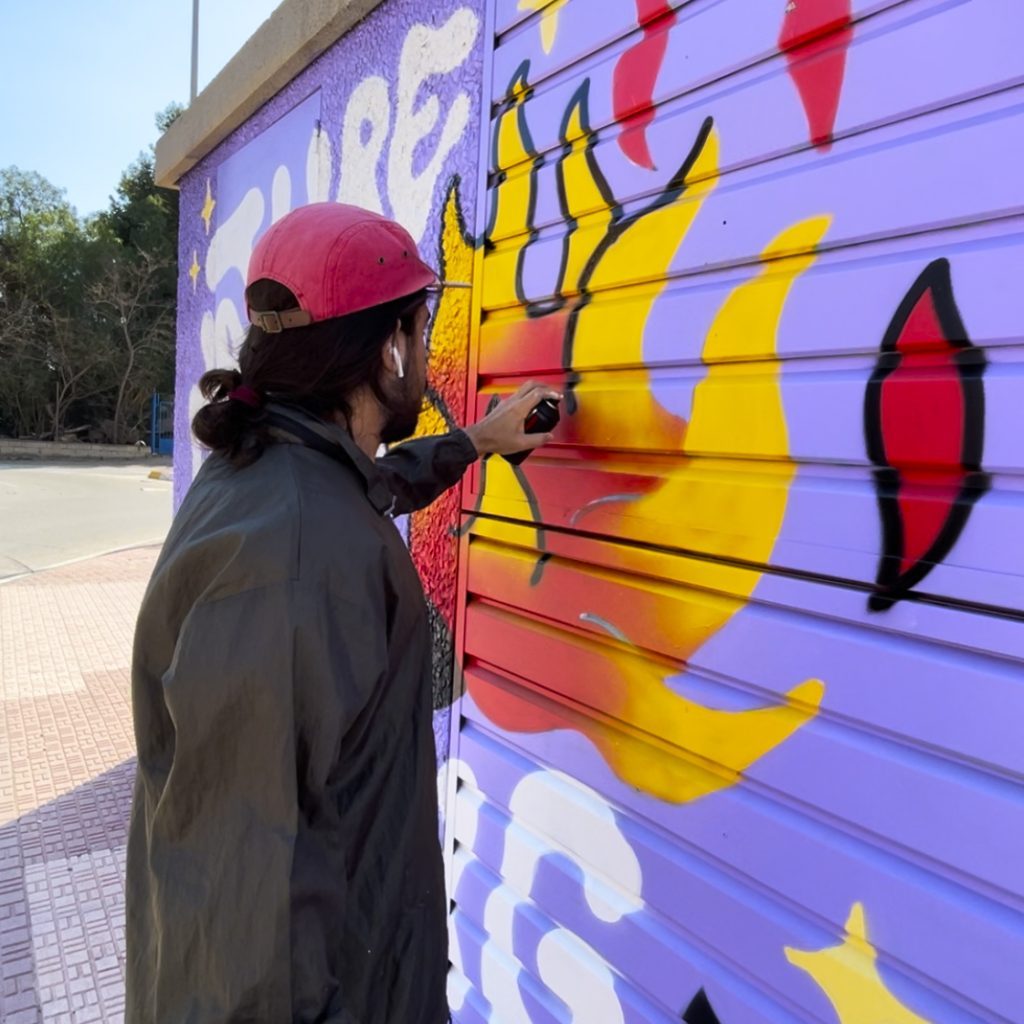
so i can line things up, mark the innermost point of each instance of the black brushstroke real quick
(520, 77)
(580, 98)
(700, 1011)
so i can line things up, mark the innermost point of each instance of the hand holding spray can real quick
(541, 419)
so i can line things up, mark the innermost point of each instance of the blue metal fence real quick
(161, 433)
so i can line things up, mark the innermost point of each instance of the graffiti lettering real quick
(426, 52)
(363, 135)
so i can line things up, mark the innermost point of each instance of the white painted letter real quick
(426, 52)
(368, 104)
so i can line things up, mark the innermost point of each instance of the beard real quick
(405, 400)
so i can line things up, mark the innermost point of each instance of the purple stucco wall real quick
(442, 44)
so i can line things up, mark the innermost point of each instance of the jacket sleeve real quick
(223, 831)
(262, 686)
(419, 471)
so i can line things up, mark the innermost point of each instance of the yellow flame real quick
(449, 332)
(548, 20)
(618, 267)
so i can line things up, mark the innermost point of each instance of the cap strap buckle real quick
(270, 322)
(274, 322)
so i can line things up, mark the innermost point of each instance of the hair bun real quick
(217, 385)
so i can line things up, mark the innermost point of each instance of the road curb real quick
(82, 558)
(79, 450)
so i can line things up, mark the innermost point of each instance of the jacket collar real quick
(291, 425)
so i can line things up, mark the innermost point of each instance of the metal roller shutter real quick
(740, 734)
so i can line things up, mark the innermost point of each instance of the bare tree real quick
(74, 356)
(128, 297)
(23, 374)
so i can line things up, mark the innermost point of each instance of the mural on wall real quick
(433, 534)
(620, 247)
(377, 144)
(383, 120)
(741, 649)
(689, 623)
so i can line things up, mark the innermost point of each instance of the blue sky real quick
(81, 80)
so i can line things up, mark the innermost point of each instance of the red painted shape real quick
(562, 495)
(922, 401)
(815, 37)
(565, 671)
(924, 418)
(509, 706)
(635, 77)
(534, 345)
(924, 503)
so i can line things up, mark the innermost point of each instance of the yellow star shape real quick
(193, 271)
(548, 20)
(207, 211)
(848, 975)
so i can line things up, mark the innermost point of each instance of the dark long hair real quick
(316, 368)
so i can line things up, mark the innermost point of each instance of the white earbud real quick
(399, 368)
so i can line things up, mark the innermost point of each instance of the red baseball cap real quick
(336, 259)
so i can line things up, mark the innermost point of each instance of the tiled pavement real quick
(66, 774)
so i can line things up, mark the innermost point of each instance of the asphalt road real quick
(56, 512)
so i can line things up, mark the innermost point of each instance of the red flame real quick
(815, 37)
(635, 77)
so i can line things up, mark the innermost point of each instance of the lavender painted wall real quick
(741, 737)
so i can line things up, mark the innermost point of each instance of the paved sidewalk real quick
(66, 773)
